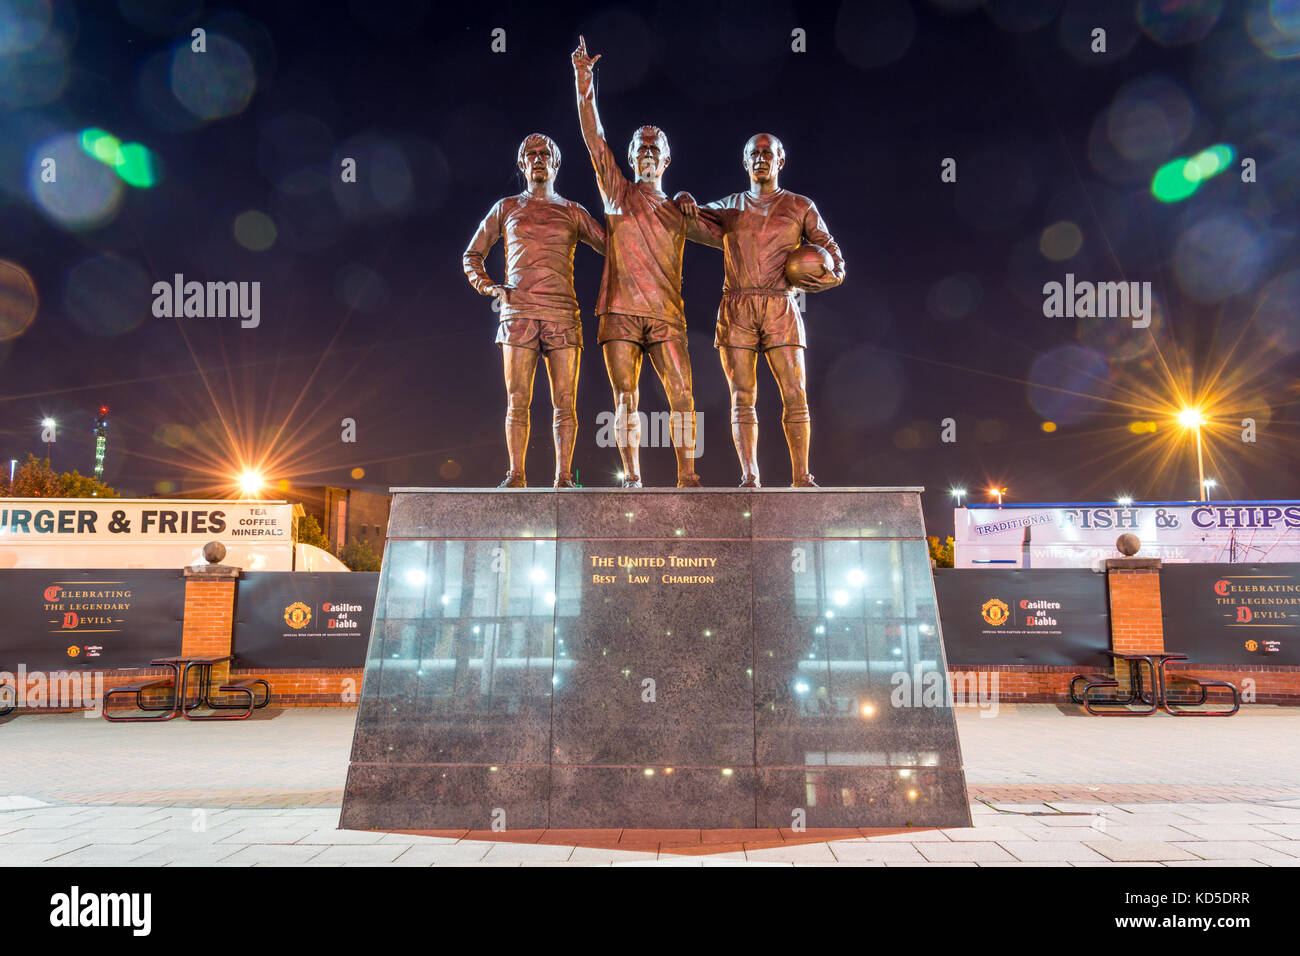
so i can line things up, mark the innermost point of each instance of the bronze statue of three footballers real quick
(640, 304)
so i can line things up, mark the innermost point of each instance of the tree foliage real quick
(941, 553)
(309, 532)
(359, 556)
(35, 478)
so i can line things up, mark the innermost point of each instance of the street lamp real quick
(1208, 484)
(1193, 419)
(1124, 501)
(48, 425)
(999, 492)
(959, 494)
(250, 483)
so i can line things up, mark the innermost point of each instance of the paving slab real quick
(1138, 851)
(962, 852)
(1230, 850)
(1047, 852)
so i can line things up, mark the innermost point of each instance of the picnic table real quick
(1153, 694)
(177, 702)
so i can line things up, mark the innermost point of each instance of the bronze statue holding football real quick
(773, 241)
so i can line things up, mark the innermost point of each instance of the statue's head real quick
(539, 158)
(763, 157)
(648, 153)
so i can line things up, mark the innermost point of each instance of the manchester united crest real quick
(995, 611)
(297, 615)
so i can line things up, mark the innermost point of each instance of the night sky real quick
(366, 314)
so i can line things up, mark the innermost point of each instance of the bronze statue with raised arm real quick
(758, 314)
(640, 304)
(539, 310)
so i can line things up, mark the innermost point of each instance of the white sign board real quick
(1083, 535)
(143, 533)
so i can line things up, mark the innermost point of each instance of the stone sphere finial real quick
(214, 552)
(1128, 544)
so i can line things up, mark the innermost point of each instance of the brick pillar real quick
(209, 625)
(1136, 624)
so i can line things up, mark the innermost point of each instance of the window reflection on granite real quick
(470, 621)
(863, 612)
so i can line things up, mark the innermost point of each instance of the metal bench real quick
(138, 688)
(1148, 697)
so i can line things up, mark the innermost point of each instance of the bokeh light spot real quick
(23, 24)
(1149, 118)
(102, 145)
(954, 297)
(450, 469)
(1220, 256)
(87, 193)
(1069, 384)
(1048, 427)
(254, 230)
(1171, 182)
(1174, 22)
(361, 288)
(18, 300)
(1274, 26)
(907, 438)
(1209, 162)
(215, 84)
(1276, 314)
(174, 435)
(105, 294)
(34, 77)
(135, 164)
(357, 474)
(1061, 241)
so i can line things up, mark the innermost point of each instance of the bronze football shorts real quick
(539, 334)
(645, 330)
(758, 320)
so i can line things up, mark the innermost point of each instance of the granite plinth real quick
(658, 658)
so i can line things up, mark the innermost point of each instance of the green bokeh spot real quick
(102, 145)
(135, 166)
(1174, 181)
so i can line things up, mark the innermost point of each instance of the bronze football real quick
(806, 262)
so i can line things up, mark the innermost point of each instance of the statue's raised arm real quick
(593, 134)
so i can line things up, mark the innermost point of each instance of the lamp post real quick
(1208, 485)
(1193, 419)
(999, 492)
(48, 426)
(959, 494)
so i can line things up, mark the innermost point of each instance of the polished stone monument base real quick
(655, 658)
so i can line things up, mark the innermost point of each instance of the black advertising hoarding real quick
(1232, 613)
(97, 619)
(1041, 617)
(304, 619)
